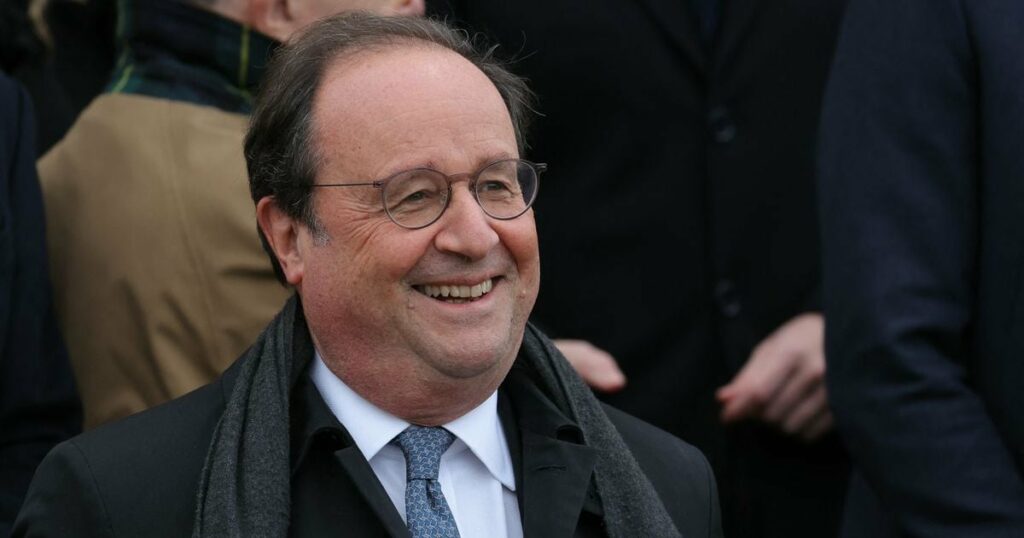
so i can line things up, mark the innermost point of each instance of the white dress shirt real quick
(476, 472)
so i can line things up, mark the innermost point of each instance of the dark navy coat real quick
(678, 219)
(38, 402)
(922, 193)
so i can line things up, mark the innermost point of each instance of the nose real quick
(465, 229)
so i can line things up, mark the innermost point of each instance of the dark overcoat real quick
(677, 220)
(139, 476)
(922, 192)
(39, 405)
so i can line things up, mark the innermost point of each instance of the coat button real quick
(728, 298)
(721, 125)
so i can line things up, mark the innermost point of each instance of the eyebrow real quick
(433, 165)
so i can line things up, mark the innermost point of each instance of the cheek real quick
(520, 238)
(357, 237)
(383, 252)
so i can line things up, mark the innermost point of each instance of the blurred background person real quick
(694, 124)
(39, 406)
(62, 52)
(160, 280)
(922, 193)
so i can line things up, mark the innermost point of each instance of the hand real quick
(783, 382)
(596, 366)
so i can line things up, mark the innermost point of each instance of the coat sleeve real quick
(39, 405)
(63, 499)
(899, 199)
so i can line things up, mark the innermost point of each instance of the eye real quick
(495, 186)
(418, 197)
(417, 190)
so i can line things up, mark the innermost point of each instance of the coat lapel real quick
(679, 23)
(553, 468)
(737, 17)
(334, 489)
(556, 476)
(352, 460)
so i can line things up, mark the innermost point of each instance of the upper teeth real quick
(464, 292)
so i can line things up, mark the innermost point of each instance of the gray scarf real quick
(245, 488)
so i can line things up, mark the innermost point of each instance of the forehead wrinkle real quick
(360, 94)
(479, 147)
(476, 149)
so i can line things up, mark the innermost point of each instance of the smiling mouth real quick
(454, 293)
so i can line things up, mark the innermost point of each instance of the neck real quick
(415, 394)
(422, 402)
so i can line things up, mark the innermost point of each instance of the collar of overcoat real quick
(335, 487)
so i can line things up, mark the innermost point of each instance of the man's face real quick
(363, 290)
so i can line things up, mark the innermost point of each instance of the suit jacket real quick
(922, 192)
(139, 476)
(39, 406)
(677, 220)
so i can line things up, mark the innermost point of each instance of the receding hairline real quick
(384, 44)
(362, 52)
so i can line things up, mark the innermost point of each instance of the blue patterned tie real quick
(426, 512)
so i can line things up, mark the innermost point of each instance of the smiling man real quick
(400, 392)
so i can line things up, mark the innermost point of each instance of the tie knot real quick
(423, 448)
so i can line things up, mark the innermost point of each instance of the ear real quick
(409, 8)
(272, 18)
(282, 233)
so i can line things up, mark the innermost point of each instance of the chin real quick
(468, 360)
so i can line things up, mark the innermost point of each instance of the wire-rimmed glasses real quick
(416, 198)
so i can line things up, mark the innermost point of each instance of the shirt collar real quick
(373, 428)
(481, 431)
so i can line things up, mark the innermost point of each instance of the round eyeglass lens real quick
(505, 189)
(416, 198)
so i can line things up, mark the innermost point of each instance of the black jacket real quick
(677, 220)
(39, 405)
(922, 190)
(138, 476)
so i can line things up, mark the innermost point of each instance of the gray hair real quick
(280, 153)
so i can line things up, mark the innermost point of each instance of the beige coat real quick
(159, 278)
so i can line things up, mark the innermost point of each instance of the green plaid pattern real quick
(175, 51)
